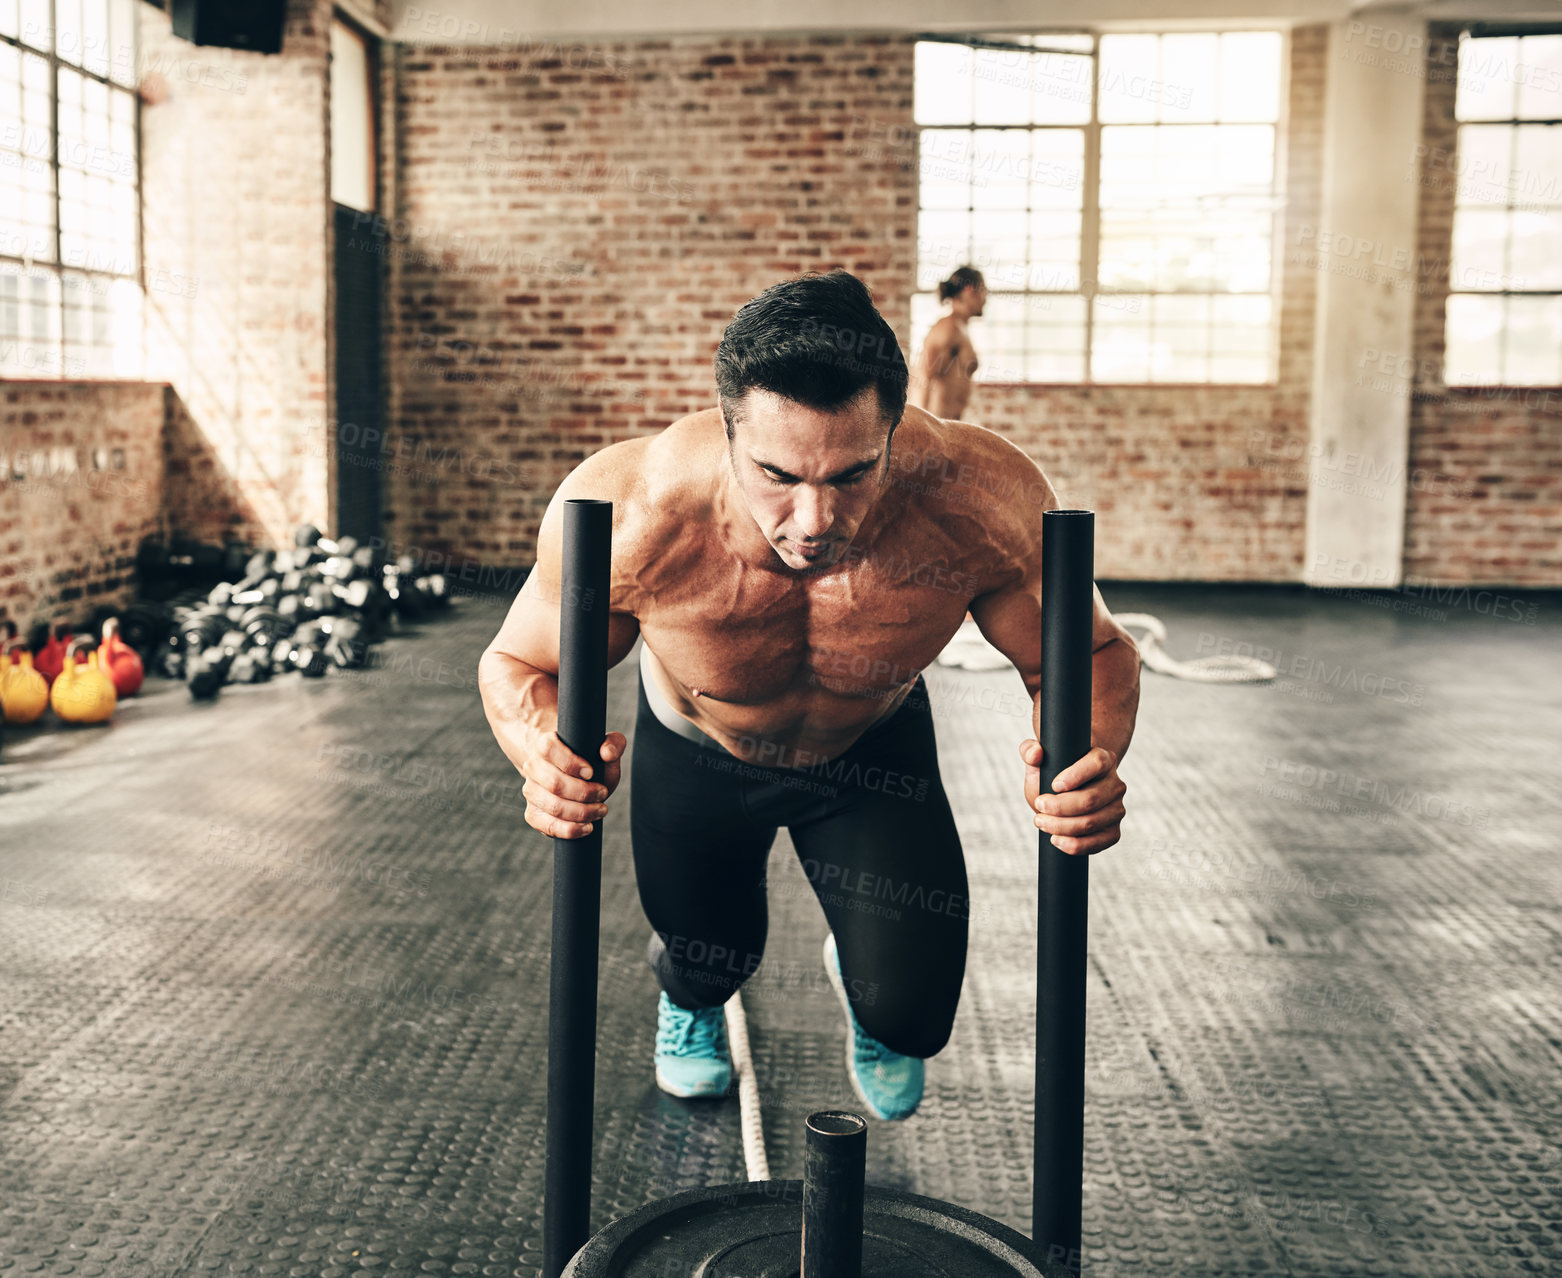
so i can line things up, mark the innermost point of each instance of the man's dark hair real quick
(817, 340)
(964, 277)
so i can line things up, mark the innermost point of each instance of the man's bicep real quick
(530, 632)
(1010, 620)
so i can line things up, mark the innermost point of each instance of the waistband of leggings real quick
(664, 712)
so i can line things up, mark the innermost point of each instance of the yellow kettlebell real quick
(23, 691)
(82, 694)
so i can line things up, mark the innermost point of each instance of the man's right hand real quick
(565, 796)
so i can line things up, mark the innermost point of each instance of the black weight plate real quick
(754, 1231)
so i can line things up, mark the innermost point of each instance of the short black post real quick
(1067, 608)
(577, 889)
(835, 1160)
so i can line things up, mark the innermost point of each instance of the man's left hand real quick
(1084, 812)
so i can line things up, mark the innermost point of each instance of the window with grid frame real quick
(70, 242)
(1118, 192)
(1503, 324)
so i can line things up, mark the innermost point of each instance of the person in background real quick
(941, 378)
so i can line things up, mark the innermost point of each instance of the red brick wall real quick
(1485, 499)
(237, 218)
(575, 226)
(644, 191)
(81, 484)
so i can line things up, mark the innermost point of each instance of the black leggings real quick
(875, 836)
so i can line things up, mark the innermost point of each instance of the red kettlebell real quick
(119, 661)
(50, 659)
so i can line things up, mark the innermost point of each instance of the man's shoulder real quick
(977, 485)
(932, 439)
(652, 470)
(660, 485)
(945, 328)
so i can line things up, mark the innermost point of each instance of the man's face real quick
(809, 477)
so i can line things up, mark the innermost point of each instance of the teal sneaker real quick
(889, 1084)
(691, 1050)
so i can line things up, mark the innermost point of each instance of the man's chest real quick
(853, 633)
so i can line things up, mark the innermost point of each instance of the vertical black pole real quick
(1067, 605)
(577, 889)
(835, 1160)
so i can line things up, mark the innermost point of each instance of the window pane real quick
(1241, 339)
(1536, 179)
(88, 327)
(1126, 157)
(1486, 88)
(103, 325)
(8, 18)
(1061, 89)
(352, 123)
(1003, 90)
(1535, 256)
(95, 126)
(1533, 354)
(36, 30)
(96, 49)
(67, 30)
(925, 310)
(1472, 339)
(1121, 349)
(998, 248)
(1180, 338)
(1057, 169)
(1245, 369)
(1192, 65)
(1244, 159)
(35, 101)
(1250, 71)
(122, 132)
(122, 41)
(1241, 313)
(1480, 248)
(27, 174)
(1484, 163)
(1054, 251)
(943, 83)
(1000, 164)
(1539, 74)
(946, 169)
(1130, 64)
(1127, 252)
(943, 243)
(29, 321)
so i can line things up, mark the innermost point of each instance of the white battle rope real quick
(1213, 669)
(748, 1091)
(970, 650)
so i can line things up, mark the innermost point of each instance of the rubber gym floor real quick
(275, 970)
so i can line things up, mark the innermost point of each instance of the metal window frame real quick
(1495, 31)
(58, 266)
(1090, 209)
